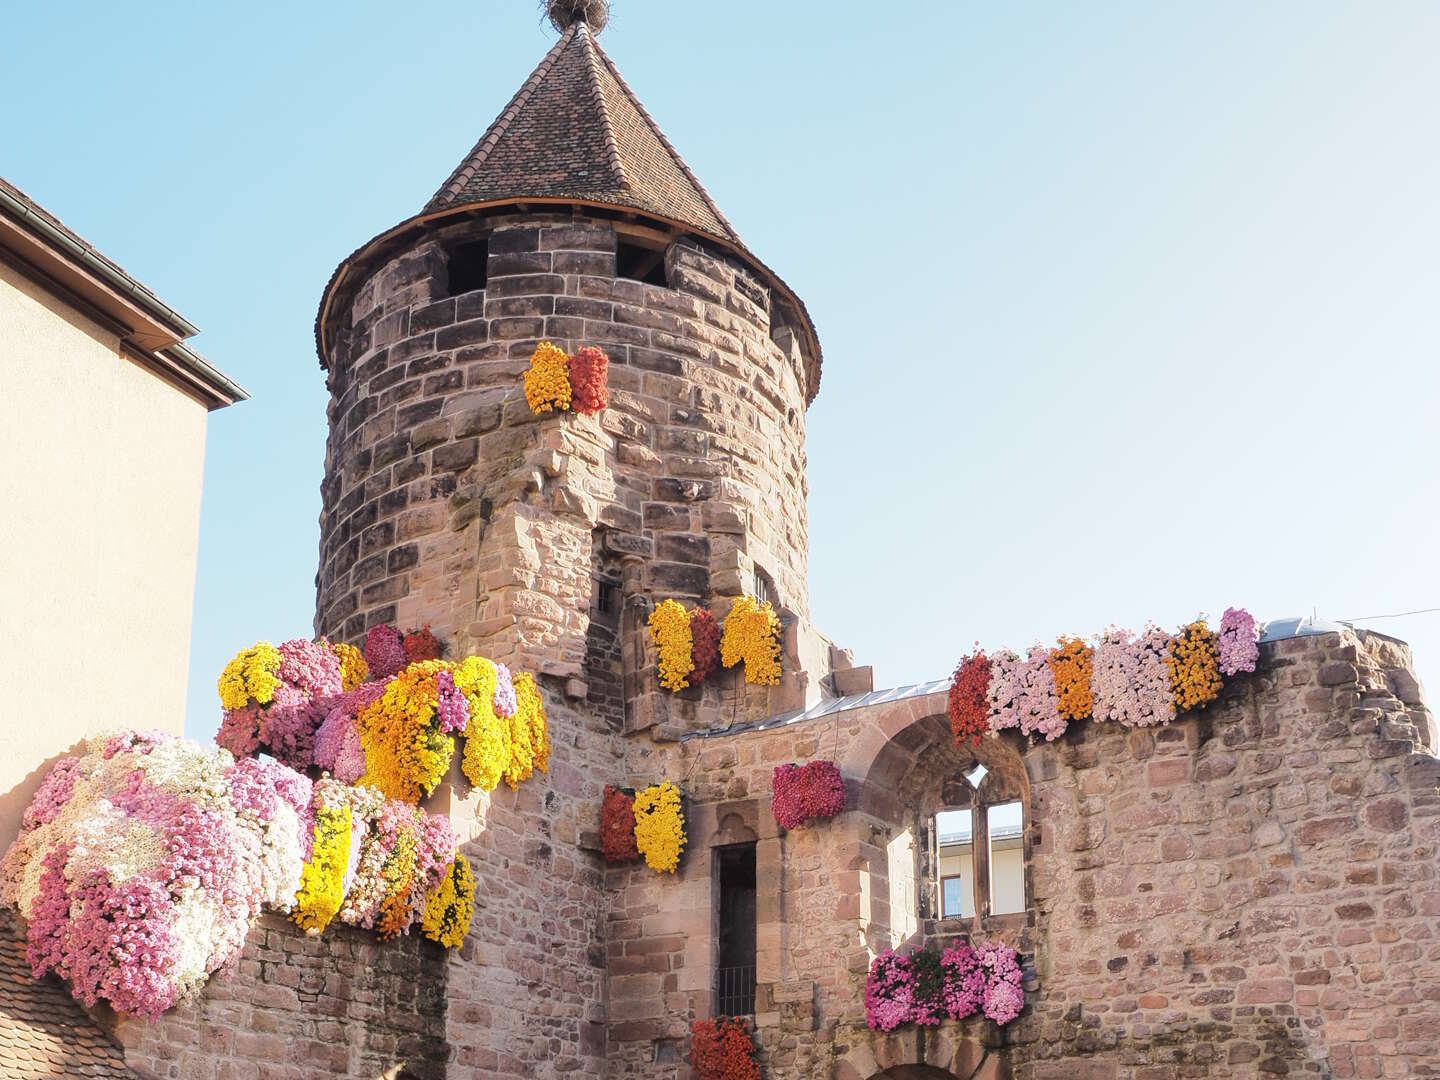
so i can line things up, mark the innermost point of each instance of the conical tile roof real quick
(576, 130)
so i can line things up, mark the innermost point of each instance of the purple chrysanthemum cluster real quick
(1239, 642)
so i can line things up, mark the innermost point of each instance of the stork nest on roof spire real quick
(566, 13)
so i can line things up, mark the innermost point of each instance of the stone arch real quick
(945, 1053)
(902, 768)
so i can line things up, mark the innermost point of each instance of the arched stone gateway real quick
(923, 1054)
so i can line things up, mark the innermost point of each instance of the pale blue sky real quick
(1129, 310)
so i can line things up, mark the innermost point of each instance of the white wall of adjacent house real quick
(100, 475)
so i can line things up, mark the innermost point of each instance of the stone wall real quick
(1252, 888)
(297, 1007)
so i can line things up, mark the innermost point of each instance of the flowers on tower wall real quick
(391, 717)
(143, 862)
(656, 818)
(555, 382)
(929, 986)
(1136, 681)
(723, 1049)
(814, 791)
(689, 644)
(752, 637)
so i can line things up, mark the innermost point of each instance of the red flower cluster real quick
(723, 1049)
(422, 645)
(969, 706)
(617, 826)
(705, 645)
(589, 381)
(814, 791)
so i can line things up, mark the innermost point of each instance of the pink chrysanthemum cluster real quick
(814, 791)
(1239, 642)
(1128, 679)
(284, 726)
(929, 986)
(144, 861)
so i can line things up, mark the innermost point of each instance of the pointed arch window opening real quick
(979, 859)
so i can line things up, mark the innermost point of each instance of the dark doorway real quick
(735, 964)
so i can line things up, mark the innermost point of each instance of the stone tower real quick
(544, 542)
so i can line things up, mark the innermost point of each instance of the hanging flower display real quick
(1004, 694)
(406, 753)
(1071, 666)
(1194, 665)
(353, 669)
(547, 382)
(590, 381)
(322, 882)
(1239, 645)
(449, 909)
(1036, 702)
(251, 678)
(928, 987)
(968, 703)
(529, 732)
(670, 631)
(421, 644)
(723, 1049)
(384, 651)
(752, 636)
(1131, 681)
(660, 826)
(617, 826)
(705, 645)
(814, 791)
(143, 862)
(487, 733)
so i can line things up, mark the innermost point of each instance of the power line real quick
(1395, 615)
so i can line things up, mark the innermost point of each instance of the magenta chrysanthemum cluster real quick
(814, 791)
(144, 861)
(925, 988)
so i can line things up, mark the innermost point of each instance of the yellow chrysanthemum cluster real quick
(399, 876)
(1194, 664)
(406, 753)
(322, 881)
(670, 631)
(487, 735)
(529, 732)
(353, 669)
(497, 748)
(660, 826)
(450, 906)
(547, 382)
(752, 635)
(252, 676)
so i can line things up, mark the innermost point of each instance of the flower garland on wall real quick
(143, 862)
(1137, 681)
(752, 637)
(929, 986)
(814, 791)
(388, 717)
(688, 643)
(555, 382)
(723, 1049)
(655, 816)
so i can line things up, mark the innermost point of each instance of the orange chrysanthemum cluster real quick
(1072, 663)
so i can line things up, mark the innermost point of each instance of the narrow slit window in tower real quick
(735, 962)
(640, 263)
(467, 267)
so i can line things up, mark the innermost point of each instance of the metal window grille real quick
(735, 991)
